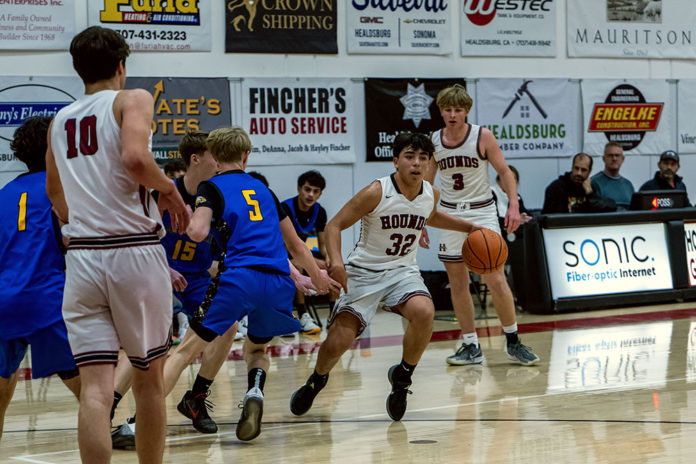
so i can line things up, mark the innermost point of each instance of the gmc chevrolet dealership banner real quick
(397, 105)
(394, 27)
(632, 29)
(634, 113)
(690, 239)
(630, 356)
(299, 121)
(183, 104)
(508, 28)
(154, 25)
(686, 130)
(281, 26)
(38, 25)
(22, 97)
(587, 261)
(530, 117)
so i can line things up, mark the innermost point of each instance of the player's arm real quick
(430, 173)
(361, 204)
(301, 254)
(54, 188)
(134, 111)
(443, 220)
(199, 227)
(490, 148)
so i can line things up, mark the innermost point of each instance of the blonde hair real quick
(454, 96)
(228, 144)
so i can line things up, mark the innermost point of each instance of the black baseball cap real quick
(669, 154)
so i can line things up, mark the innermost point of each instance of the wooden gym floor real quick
(612, 386)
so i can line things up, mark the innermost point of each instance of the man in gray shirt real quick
(609, 183)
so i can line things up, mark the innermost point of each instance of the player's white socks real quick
(470, 339)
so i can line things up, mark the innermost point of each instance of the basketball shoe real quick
(123, 437)
(301, 401)
(249, 425)
(521, 354)
(308, 325)
(196, 408)
(396, 401)
(466, 354)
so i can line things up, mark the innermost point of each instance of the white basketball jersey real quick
(389, 234)
(463, 170)
(103, 198)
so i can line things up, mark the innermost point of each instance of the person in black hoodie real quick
(572, 192)
(666, 178)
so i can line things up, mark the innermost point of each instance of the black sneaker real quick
(396, 401)
(123, 437)
(196, 408)
(249, 425)
(301, 401)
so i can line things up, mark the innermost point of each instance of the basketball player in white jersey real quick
(118, 289)
(381, 270)
(463, 152)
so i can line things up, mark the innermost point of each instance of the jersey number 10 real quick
(88, 136)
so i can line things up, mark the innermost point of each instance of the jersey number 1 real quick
(88, 136)
(22, 217)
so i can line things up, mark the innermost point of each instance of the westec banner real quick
(299, 121)
(530, 118)
(586, 261)
(183, 104)
(393, 27)
(37, 25)
(398, 105)
(154, 25)
(281, 26)
(508, 27)
(690, 239)
(22, 97)
(631, 29)
(634, 113)
(686, 130)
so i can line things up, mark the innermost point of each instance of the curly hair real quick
(29, 142)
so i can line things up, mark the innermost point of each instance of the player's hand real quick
(525, 218)
(587, 185)
(179, 283)
(303, 283)
(424, 240)
(179, 213)
(475, 227)
(338, 273)
(512, 219)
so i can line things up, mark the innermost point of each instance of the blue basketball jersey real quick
(32, 267)
(247, 216)
(183, 254)
(310, 228)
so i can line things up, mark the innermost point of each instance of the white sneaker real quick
(249, 425)
(242, 328)
(183, 324)
(308, 325)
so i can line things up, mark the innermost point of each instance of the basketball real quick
(484, 251)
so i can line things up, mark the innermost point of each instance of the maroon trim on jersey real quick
(96, 357)
(460, 143)
(474, 205)
(478, 145)
(118, 241)
(450, 258)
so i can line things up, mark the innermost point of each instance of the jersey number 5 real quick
(88, 136)
(255, 212)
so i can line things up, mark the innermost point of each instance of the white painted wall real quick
(345, 180)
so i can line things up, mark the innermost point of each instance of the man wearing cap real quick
(666, 178)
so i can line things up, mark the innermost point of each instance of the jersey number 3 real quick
(88, 136)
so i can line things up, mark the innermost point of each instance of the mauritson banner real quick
(288, 26)
(398, 105)
(183, 104)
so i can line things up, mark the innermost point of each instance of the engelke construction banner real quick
(22, 97)
(686, 102)
(153, 25)
(508, 27)
(37, 25)
(631, 29)
(399, 28)
(634, 113)
(299, 121)
(530, 117)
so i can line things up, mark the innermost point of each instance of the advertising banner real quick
(686, 102)
(419, 27)
(38, 25)
(22, 97)
(631, 28)
(154, 25)
(183, 104)
(299, 121)
(531, 118)
(690, 239)
(632, 356)
(397, 105)
(585, 261)
(634, 113)
(508, 28)
(307, 26)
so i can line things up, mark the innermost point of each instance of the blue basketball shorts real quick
(194, 293)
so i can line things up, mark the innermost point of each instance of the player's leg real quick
(256, 357)
(93, 418)
(505, 307)
(12, 353)
(469, 352)
(150, 408)
(7, 388)
(191, 347)
(123, 380)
